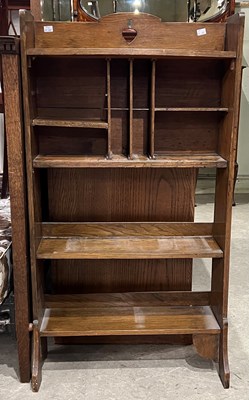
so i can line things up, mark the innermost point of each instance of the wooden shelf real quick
(70, 123)
(135, 320)
(192, 109)
(161, 161)
(135, 52)
(127, 241)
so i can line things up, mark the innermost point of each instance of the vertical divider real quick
(131, 110)
(109, 112)
(152, 110)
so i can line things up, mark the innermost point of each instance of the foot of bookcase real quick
(207, 346)
(214, 347)
(36, 359)
(224, 370)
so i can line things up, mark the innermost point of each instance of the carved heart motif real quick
(129, 34)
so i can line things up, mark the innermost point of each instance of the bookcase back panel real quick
(186, 131)
(89, 276)
(152, 34)
(71, 141)
(141, 83)
(120, 195)
(191, 83)
(120, 83)
(140, 132)
(71, 84)
(120, 131)
(117, 195)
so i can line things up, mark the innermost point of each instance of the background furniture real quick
(168, 10)
(7, 26)
(3, 31)
(116, 127)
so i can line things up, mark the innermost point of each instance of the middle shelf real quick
(127, 241)
(170, 160)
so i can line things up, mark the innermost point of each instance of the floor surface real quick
(150, 372)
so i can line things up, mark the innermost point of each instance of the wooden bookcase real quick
(115, 134)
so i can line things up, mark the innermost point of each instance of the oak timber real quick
(128, 321)
(118, 161)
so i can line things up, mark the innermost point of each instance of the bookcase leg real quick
(207, 346)
(214, 347)
(36, 360)
(224, 370)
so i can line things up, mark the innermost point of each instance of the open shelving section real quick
(138, 98)
(115, 135)
(127, 241)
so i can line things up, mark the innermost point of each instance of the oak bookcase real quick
(119, 116)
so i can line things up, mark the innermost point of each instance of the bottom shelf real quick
(86, 315)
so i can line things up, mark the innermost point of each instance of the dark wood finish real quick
(128, 320)
(127, 241)
(109, 33)
(116, 133)
(224, 190)
(70, 123)
(4, 18)
(36, 359)
(127, 248)
(48, 50)
(127, 339)
(169, 160)
(192, 109)
(109, 113)
(152, 109)
(139, 299)
(17, 189)
(207, 346)
(145, 229)
(131, 109)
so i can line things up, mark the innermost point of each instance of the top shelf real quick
(134, 52)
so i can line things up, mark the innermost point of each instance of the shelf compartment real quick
(118, 161)
(70, 123)
(127, 241)
(192, 84)
(189, 133)
(135, 320)
(69, 89)
(68, 141)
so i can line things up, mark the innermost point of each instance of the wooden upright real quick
(9, 50)
(119, 117)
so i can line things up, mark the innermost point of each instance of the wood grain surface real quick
(129, 321)
(168, 160)
(17, 189)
